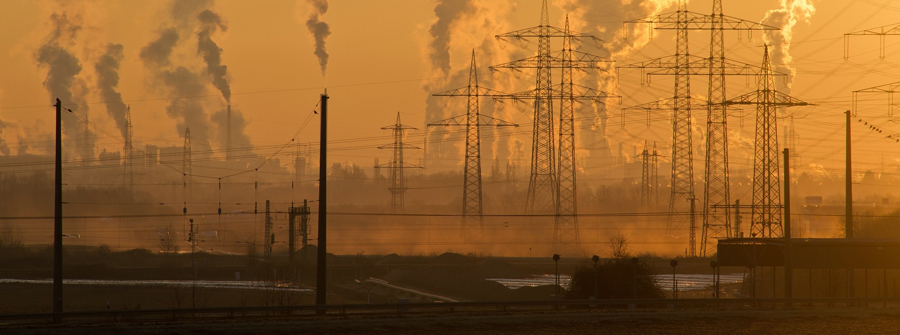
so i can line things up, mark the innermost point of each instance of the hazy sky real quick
(380, 63)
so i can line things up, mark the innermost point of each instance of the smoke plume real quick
(447, 13)
(62, 69)
(183, 80)
(621, 42)
(459, 27)
(786, 17)
(319, 30)
(107, 68)
(180, 80)
(211, 53)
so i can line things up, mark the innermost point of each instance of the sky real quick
(383, 59)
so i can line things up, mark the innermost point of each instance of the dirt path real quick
(817, 321)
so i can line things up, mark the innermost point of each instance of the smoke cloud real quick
(211, 53)
(786, 17)
(459, 27)
(239, 138)
(319, 30)
(107, 68)
(62, 68)
(179, 80)
(185, 81)
(447, 13)
(621, 42)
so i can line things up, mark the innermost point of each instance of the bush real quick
(619, 278)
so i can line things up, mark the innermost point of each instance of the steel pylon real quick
(472, 192)
(397, 165)
(129, 149)
(552, 185)
(766, 210)
(682, 65)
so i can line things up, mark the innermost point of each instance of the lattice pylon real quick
(766, 221)
(552, 187)
(716, 67)
(716, 194)
(128, 150)
(542, 184)
(680, 216)
(473, 205)
(566, 228)
(646, 183)
(397, 165)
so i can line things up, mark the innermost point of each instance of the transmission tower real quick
(716, 223)
(129, 148)
(397, 165)
(472, 120)
(551, 188)
(86, 156)
(646, 184)
(766, 210)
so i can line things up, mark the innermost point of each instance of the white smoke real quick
(620, 42)
(786, 17)
(459, 27)
(64, 73)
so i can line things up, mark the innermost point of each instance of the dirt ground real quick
(736, 321)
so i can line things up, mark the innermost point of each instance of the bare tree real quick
(618, 245)
(168, 241)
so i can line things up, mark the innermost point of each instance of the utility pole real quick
(268, 236)
(766, 220)
(57, 221)
(551, 187)
(397, 165)
(473, 121)
(848, 183)
(321, 268)
(788, 247)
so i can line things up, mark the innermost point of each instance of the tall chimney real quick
(228, 134)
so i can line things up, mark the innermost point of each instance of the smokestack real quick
(228, 147)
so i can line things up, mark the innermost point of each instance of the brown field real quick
(733, 321)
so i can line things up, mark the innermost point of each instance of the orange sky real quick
(379, 63)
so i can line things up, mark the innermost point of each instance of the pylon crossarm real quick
(580, 60)
(466, 91)
(398, 146)
(696, 66)
(886, 88)
(462, 120)
(578, 93)
(551, 32)
(666, 104)
(781, 99)
(484, 120)
(891, 29)
(697, 21)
